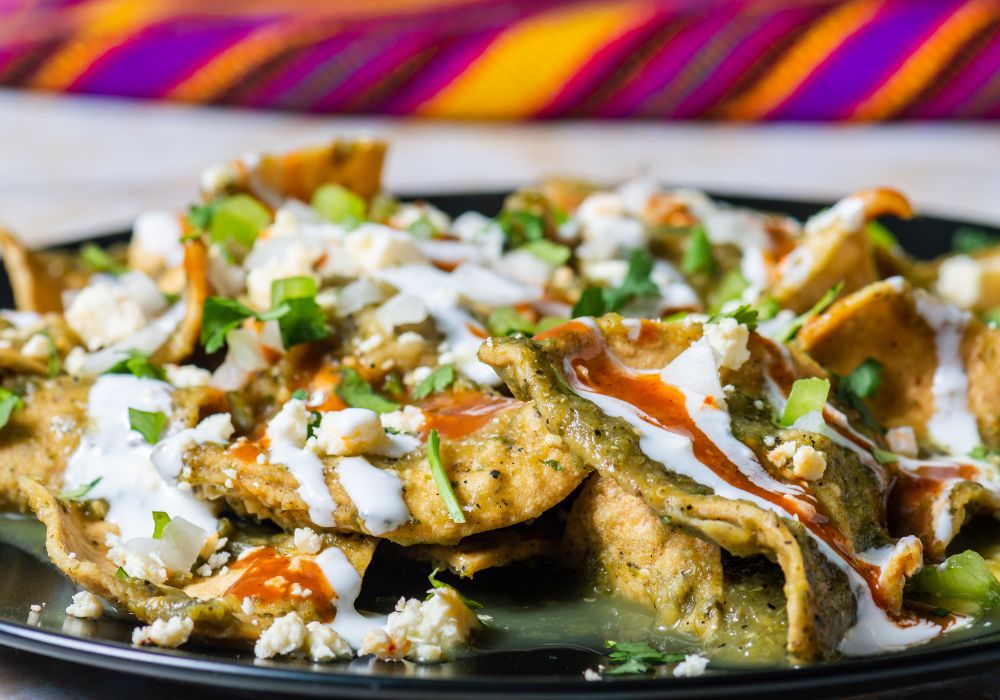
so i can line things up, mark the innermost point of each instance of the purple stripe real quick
(153, 60)
(663, 67)
(960, 92)
(306, 70)
(862, 63)
(740, 61)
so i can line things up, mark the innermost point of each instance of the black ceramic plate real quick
(533, 664)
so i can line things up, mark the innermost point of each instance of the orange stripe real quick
(526, 65)
(802, 59)
(99, 27)
(927, 60)
(229, 66)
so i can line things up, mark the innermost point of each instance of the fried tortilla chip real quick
(820, 604)
(499, 472)
(39, 278)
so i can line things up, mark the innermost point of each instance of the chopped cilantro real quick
(438, 380)
(9, 402)
(807, 395)
(121, 574)
(421, 228)
(969, 240)
(293, 303)
(160, 520)
(520, 227)
(338, 204)
(992, 316)
(78, 492)
(547, 251)
(865, 379)
(199, 216)
(441, 479)
(698, 256)
(469, 602)
(138, 365)
(358, 393)
(219, 316)
(742, 314)
(393, 385)
(636, 657)
(597, 301)
(816, 309)
(97, 259)
(554, 463)
(981, 452)
(590, 303)
(300, 394)
(149, 424)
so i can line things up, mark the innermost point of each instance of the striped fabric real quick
(517, 59)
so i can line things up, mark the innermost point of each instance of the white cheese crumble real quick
(37, 346)
(591, 675)
(902, 441)
(142, 563)
(104, 313)
(374, 247)
(165, 633)
(408, 419)
(286, 635)
(86, 605)
(324, 644)
(348, 432)
(401, 310)
(423, 631)
(729, 341)
(692, 665)
(807, 462)
(187, 376)
(291, 424)
(307, 540)
(960, 281)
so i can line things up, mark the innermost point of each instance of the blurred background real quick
(110, 107)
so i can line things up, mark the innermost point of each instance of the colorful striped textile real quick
(518, 59)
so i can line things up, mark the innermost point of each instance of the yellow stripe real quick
(527, 64)
(229, 66)
(99, 28)
(799, 62)
(927, 61)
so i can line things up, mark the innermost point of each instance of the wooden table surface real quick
(72, 166)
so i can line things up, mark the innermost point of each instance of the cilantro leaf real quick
(554, 463)
(981, 452)
(469, 602)
(293, 302)
(160, 521)
(865, 379)
(742, 314)
(219, 316)
(590, 303)
(636, 657)
(300, 394)
(78, 492)
(138, 365)
(521, 227)
(969, 240)
(438, 380)
(55, 363)
(121, 574)
(637, 282)
(358, 393)
(698, 257)
(97, 259)
(881, 236)
(199, 216)
(149, 424)
(9, 402)
(441, 479)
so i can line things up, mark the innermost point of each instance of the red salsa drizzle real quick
(269, 577)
